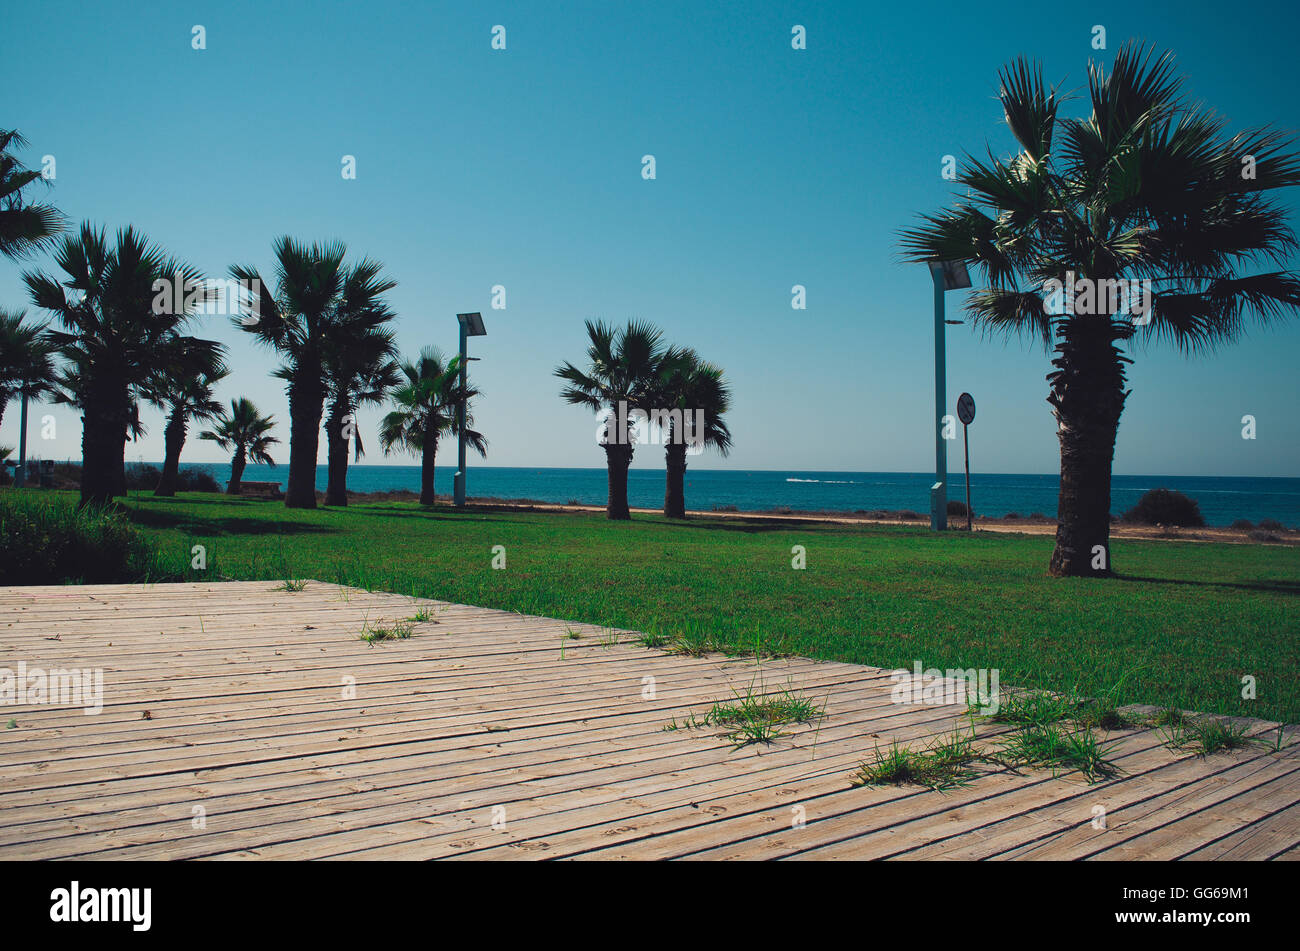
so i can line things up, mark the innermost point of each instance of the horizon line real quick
(601, 469)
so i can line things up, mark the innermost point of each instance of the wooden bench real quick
(263, 490)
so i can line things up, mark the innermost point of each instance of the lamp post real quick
(20, 475)
(947, 276)
(471, 325)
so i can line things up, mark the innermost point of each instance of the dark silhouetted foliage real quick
(1165, 507)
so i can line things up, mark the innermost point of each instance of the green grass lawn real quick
(1181, 627)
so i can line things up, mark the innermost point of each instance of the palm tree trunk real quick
(675, 491)
(237, 464)
(174, 440)
(97, 476)
(336, 488)
(306, 404)
(119, 459)
(427, 456)
(1087, 399)
(618, 457)
(103, 440)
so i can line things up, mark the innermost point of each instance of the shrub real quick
(144, 478)
(1271, 525)
(1012, 515)
(725, 508)
(957, 508)
(46, 539)
(198, 480)
(1165, 507)
(1243, 523)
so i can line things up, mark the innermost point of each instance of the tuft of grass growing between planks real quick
(1030, 707)
(1057, 731)
(291, 584)
(952, 762)
(1042, 708)
(945, 764)
(1205, 735)
(1058, 748)
(1051, 731)
(753, 716)
(375, 633)
(1103, 714)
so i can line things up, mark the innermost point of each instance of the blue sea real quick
(1222, 499)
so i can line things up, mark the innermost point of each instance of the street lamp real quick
(20, 474)
(471, 325)
(947, 276)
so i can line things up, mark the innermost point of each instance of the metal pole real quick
(460, 417)
(965, 438)
(20, 477)
(939, 513)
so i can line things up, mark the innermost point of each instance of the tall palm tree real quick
(182, 387)
(111, 338)
(624, 366)
(246, 433)
(315, 301)
(695, 390)
(360, 371)
(1148, 187)
(25, 227)
(426, 411)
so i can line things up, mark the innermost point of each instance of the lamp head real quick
(473, 324)
(952, 273)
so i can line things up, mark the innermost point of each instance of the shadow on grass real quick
(427, 513)
(1268, 587)
(225, 501)
(225, 526)
(759, 526)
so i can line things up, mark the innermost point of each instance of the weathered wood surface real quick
(239, 720)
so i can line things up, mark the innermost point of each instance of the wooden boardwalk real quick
(241, 721)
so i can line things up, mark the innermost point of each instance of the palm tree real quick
(26, 371)
(623, 369)
(25, 227)
(246, 433)
(1149, 187)
(426, 411)
(695, 390)
(182, 387)
(26, 359)
(113, 333)
(316, 303)
(359, 371)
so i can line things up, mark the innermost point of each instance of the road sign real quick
(966, 409)
(966, 413)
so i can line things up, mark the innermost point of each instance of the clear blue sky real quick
(522, 168)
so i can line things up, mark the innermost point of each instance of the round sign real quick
(966, 409)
